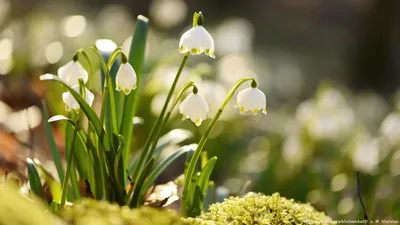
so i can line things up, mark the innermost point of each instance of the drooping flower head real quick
(194, 107)
(251, 99)
(125, 79)
(197, 40)
(70, 101)
(71, 72)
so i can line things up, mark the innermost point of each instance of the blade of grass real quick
(134, 202)
(55, 154)
(34, 180)
(111, 113)
(55, 186)
(173, 137)
(205, 175)
(98, 181)
(165, 163)
(136, 59)
(118, 170)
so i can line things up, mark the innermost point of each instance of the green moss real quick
(91, 212)
(16, 209)
(260, 209)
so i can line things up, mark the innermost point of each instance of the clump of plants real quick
(101, 166)
(261, 209)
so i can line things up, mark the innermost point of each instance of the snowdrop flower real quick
(197, 40)
(125, 79)
(251, 99)
(71, 103)
(194, 107)
(71, 72)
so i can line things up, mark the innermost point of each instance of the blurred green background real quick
(330, 70)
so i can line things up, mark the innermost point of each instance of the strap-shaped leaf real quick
(136, 59)
(205, 175)
(55, 154)
(171, 138)
(34, 180)
(91, 115)
(165, 163)
(200, 188)
(118, 169)
(139, 183)
(55, 186)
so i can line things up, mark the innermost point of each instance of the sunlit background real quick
(330, 71)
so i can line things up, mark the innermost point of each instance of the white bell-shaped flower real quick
(197, 40)
(71, 72)
(71, 103)
(195, 108)
(251, 99)
(125, 79)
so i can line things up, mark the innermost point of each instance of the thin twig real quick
(359, 196)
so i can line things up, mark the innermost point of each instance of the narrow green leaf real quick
(199, 189)
(69, 132)
(165, 163)
(97, 181)
(209, 198)
(118, 170)
(139, 183)
(136, 59)
(55, 186)
(111, 114)
(75, 183)
(54, 207)
(205, 175)
(197, 204)
(91, 115)
(173, 137)
(55, 154)
(34, 180)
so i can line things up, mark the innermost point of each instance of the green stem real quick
(191, 169)
(175, 102)
(113, 115)
(156, 126)
(113, 57)
(69, 164)
(86, 56)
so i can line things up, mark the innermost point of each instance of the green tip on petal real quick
(127, 91)
(198, 122)
(184, 117)
(255, 111)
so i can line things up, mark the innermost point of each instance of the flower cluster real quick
(73, 71)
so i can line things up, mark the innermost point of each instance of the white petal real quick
(197, 40)
(71, 72)
(195, 107)
(251, 99)
(70, 101)
(126, 78)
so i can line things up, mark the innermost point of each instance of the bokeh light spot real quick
(74, 26)
(54, 52)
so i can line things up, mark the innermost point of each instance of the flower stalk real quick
(186, 202)
(175, 102)
(72, 149)
(146, 153)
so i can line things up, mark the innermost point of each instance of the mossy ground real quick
(259, 209)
